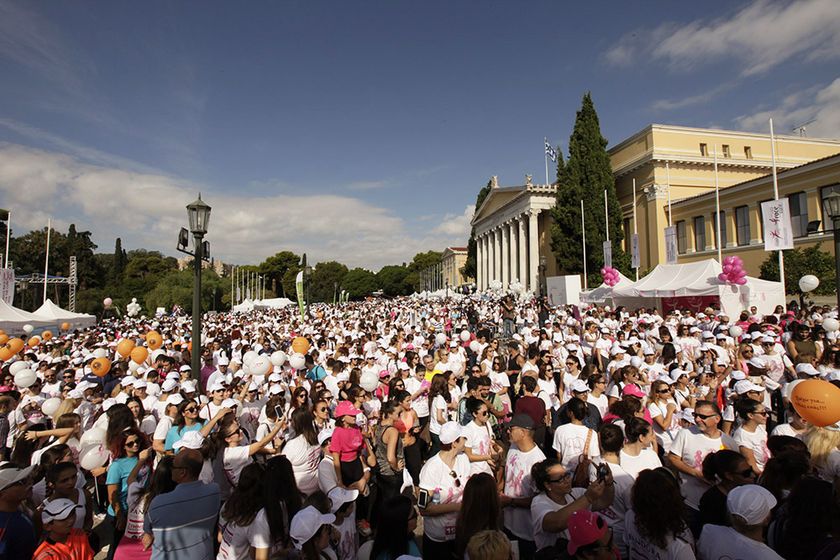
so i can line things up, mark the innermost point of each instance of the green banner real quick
(299, 288)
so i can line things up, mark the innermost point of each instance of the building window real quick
(742, 225)
(798, 203)
(681, 240)
(700, 233)
(628, 232)
(747, 152)
(704, 149)
(824, 192)
(726, 152)
(722, 214)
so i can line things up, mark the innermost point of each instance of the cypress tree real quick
(585, 177)
(119, 262)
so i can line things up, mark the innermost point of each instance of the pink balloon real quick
(603, 271)
(737, 260)
(727, 268)
(723, 277)
(741, 281)
(727, 260)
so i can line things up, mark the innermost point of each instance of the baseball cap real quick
(306, 523)
(676, 373)
(585, 527)
(633, 391)
(184, 368)
(12, 475)
(757, 363)
(579, 386)
(346, 408)
(738, 375)
(745, 386)
(750, 502)
(522, 421)
(140, 384)
(127, 381)
(175, 399)
(168, 385)
(190, 440)
(450, 432)
(188, 386)
(339, 496)
(216, 386)
(223, 361)
(324, 435)
(807, 369)
(56, 510)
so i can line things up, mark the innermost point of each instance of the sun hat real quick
(750, 502)
(306, 523)
(585, 527)
(56, 510)
(339, 496)
(450, 432)
(346, 408)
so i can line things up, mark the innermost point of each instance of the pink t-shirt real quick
(347, 442)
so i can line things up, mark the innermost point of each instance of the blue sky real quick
(361, 131)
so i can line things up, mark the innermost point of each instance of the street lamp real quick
(199, 215)
(542, 275)
(831, 206)
(447, 288)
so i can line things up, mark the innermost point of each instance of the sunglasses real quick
(132, 443)
(454, 475)
(322, 409)
(704, 416)
(663, 391)
(563, 477)
(191, 409)
(762, 412)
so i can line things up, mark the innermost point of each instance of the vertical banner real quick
(299, 288)
(671, 245)
(7, 285)
(634, 251)
(778, 233)
(607, 253)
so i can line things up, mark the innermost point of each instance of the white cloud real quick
(820, 104)
(456, 225)
(146, 209)
(760, 36)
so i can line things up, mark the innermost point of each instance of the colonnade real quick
(509, 251)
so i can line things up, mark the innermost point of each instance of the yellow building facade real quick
(675, 163)
(452, 261)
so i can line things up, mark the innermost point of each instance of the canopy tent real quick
(56, 315)
(272, 303)
(603, 293)
(696, 286)
(244, 307)
(13, 319)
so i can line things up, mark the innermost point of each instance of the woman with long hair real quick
(303, 451)
(120, 419)
(300, 399)
(321, 412)
(824, 446)
(727, 469)
(243, 524)
(146, 422)
(227, 442)
(439, 400)
(656, 526)
(311, 531)
(408, 425)
(388, 449)
(125, 454)
(282, 501)
(395, 531)
(663, 410)
(638, 452)
(751, 435)
(480, 510)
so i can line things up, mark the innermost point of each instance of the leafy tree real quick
(275, 267)
(359, 283)
(392, 280)
(586, 176)
(325, 279)
(470, 268)
(798, 263)
(176, 288)
(420, 262)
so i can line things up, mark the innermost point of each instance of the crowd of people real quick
(473, 428)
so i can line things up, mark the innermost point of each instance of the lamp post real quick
(447, 288)
(542, 275)
(831, 205)
(335, 292)
(199, 214)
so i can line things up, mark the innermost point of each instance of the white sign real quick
(7, 285)
(563, 290)
(671, 245)
(778, 233)
(634, 251)
(607, 253)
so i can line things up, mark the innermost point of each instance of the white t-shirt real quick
(647, 459)
(235, 459)
(569, 440)
(664, 436)
(614, 514)
(601, 402)
(348, 538)
(421, 403)
(327, 479)
(237, 541)
(479, 441)
(717, 542)
(542, 505)
(162, 428)
(438, 403)
(436, 476)
(786, 430)
(692, 446)
(640, 548)
(518, 484)
(304, 459)
(755, 442)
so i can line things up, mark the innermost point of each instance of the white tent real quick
(603, 293)
(272, 303)
(13, 319)
(695, 285)
(56, 315)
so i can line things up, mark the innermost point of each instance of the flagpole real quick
(776, 193)
(668, 179)
(635, 226)
(717, 213)
(583, 244)
(606, 215)
(8, 233)
(47, 258)
(545, 157)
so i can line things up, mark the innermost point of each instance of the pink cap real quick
(585, 527)
(346, 408)
(633, 391)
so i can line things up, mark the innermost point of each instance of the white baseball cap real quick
(56, 510)
(306, 523)
(10, 476)
(324, 435)
(579, 386)
(750, 502)
(339, 496)
(807, 369)
(745, 386)
(450, 432)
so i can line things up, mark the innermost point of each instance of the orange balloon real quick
(189, 345)
(2, 331)
(139, 354)
(817, 401)
(124, 347)
(46, 335)
(33, 342)
(15, 345)
(4, 338)
(154, 340)
(300, 345)
(100, 366)
(65, 326)
(5, 353)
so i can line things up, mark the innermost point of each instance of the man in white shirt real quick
(749, 508)
(519, 490)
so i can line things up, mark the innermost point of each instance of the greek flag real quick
(550, 151)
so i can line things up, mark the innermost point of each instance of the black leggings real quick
(414, 459)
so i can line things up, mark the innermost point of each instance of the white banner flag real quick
(671, 250)
(778, 233)
(7, 285)
(635, 260)
(607, 253)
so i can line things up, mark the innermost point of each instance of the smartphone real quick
(423, 498)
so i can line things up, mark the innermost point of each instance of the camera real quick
(602, 471)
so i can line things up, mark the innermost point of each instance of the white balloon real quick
(297, 361)
(27, 328)
(93, 435)
(260, 365)
(18, 366)
(93, 457)
(100, 353)
(465, 335)
(49, 406)
(25, 378)
(475, 346)
(440, 339)
(809, 283)
(249, 355)
(369, 381)
(831, 325)
(278, 358)
(735, 331)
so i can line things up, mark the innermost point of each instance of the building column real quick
(514, 251)
(503, 233)
(486, 275)
(479, 261)
(523, 253)
(533, 250)
(498, 275)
